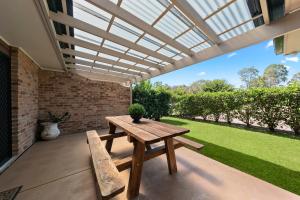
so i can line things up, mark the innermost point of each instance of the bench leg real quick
(171, 156)
(136, 170)
(112, 130)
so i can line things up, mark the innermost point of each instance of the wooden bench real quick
(108, 179)
(188, 143)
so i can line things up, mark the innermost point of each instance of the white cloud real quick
(283, 61)
(232, 54)
(201, 74)
(292, 59)
(288, 67)
(270, 44)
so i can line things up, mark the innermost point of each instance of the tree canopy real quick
(275, 74)
(249, 76)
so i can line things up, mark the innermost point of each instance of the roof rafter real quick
(279, 27)
(98, 70)
(94, 47)
(190, 12)
(76, 23)
(100, 77)
(135, 21)
(104, 60)
(96, 65)
(265, 11)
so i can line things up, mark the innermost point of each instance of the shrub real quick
(268, 104)
(245, 108)
(155, 100)
(291, 107)
(136, 111)
(230, 103)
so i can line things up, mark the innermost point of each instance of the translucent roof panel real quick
(125, 30)
(136, 54)
(126, 62)
(102, 55)
(84, 59)
(237, 31)
(91, 14)
(226, 19)
(84, 50)
(147, 11)
(190, 39)
(114, 46)
(171, 25)
(206, 7)
(201, 47)
(105, 64)
(153, 60)
(146, 43)
(87, 37)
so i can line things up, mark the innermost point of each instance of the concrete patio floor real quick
(61, 169)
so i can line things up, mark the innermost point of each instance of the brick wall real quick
(87, 101)
(24, 77)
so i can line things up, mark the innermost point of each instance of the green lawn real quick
(273, 158)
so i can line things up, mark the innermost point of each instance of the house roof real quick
(130, 40)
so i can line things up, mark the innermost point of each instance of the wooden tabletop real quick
(147, 131)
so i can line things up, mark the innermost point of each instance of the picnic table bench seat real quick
(108, 179)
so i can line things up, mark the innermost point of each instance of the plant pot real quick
(136, 119)
(50, 131)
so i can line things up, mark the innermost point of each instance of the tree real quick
(197, 86)
(275, 74)
(248, 75)
(295, 79)
(217, 85)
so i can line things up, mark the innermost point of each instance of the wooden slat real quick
(125, 163)
(189, 143)
(112, 136)
(144, 125)
(167, 127)
(108, 177)
(133, 131)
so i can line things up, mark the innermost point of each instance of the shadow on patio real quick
(61, 169)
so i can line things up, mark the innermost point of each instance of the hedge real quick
(268, 106)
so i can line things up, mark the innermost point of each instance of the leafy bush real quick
(156, 100)
(136, 111)
(268, 104)
(291, 108)
(59, 119)
(244, 109)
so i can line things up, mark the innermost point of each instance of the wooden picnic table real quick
(142, 135)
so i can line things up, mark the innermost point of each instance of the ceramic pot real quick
(136, 119)
(50, 131)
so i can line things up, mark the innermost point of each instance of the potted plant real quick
(51, 130)
(136, 111)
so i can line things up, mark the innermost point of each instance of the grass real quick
(273, 158)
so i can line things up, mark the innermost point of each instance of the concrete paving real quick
(60, 170)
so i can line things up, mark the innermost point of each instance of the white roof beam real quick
(94, 47)
(100, 59)
(101, 71)
(135, 21)
(279, 27)
(190, 12)
(76, 23)
(100, 77)
(110, 68)
(265, 11)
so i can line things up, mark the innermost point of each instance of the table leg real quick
(171, 156)
(136, 170)
(112, 130)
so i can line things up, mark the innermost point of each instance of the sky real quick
(227, 66)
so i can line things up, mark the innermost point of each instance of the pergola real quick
(127, 41)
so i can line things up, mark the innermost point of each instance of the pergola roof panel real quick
(147, 11)
(148, 38)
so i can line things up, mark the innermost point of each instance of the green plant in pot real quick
(136, 111)
(51, 130)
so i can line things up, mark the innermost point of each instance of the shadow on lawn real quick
(270, 172)
(279, 133)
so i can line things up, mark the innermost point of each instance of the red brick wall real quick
(24, 77)
(87, 101)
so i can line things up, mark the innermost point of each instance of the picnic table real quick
(142, 135)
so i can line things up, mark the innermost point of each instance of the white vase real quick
(50, 131)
